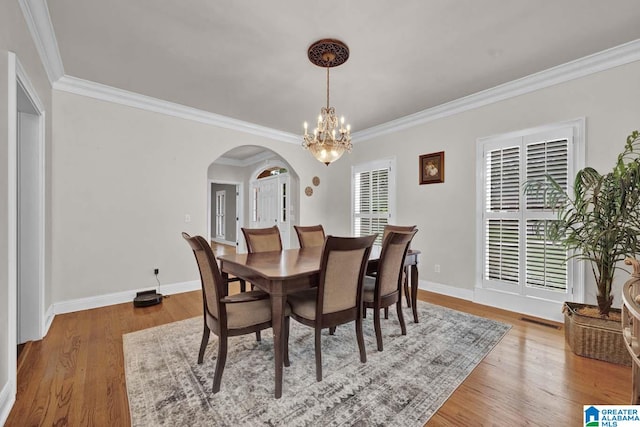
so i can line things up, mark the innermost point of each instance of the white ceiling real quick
(247, 59)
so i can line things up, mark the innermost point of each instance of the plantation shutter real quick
(502, 227)
(546, 265)
(371, 201)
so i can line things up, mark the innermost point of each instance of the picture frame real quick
(431, 168)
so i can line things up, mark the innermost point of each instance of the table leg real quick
(414, 291)
(225, 283)
(277, 320)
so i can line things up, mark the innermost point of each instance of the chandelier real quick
(329, 139)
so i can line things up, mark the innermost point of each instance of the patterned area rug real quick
(404, 385)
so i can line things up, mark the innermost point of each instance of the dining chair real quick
(262, 239)
(401, 228)
(228, 316)
(385, 289)
(310, 236)
(338, 297)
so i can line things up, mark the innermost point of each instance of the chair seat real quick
(303, 303)
(244, 314)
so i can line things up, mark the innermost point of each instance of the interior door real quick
(271, 204)
(220, 217)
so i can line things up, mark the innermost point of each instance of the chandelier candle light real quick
(328, 141)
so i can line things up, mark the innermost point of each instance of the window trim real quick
(375, 164)
(576, 273)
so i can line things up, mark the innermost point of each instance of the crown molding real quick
(601, 61)
(38, 21)
(132, 99)
(36, 14)
(257, 158)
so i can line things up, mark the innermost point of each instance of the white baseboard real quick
(119, 297)
(545, 309)
(224, 242)
(451, 291)
(7, 399)
(48, 319)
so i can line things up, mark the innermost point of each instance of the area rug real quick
(404, 385)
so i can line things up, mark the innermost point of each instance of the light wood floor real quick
(75, 375)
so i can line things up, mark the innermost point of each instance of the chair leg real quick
(258, 336)
(332, 330)
(203, 344)
(401, 316)
(222, 359)
(318, 356)
(376, 325)
(364, 313)
(360, 337)
(286, 342)
(243, 286)
(406, 288)
(386, 312)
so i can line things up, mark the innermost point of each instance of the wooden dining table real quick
(283, 272)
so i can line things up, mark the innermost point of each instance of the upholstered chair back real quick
(210, 276)
(262, 239)
(310, 236)
(394, 251)
(342, 268)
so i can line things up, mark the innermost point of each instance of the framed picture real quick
(432, 168)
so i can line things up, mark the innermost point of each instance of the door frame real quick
(18, 76)
(240, 244)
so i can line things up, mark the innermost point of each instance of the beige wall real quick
(123, 181)
(446, 213)
(14, 37)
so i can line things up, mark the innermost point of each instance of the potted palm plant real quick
(599, 222)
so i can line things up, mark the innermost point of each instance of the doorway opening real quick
(224, 205)
(30, 214)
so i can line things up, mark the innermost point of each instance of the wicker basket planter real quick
(594, 337)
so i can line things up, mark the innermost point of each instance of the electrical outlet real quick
(436, 268)
(156, 271)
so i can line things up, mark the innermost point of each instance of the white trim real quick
(600, 61)
(39, 22)
(544, 308)
(452, 291)
(265, 155)
(7, 399)
(23, 80)
(239, 243)
(12, 227)
(49, 316)
(131, 99)
(119, 297)
(36, 14)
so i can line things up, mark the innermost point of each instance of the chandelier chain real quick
(327, 87)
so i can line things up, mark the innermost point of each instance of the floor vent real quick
(540, 322)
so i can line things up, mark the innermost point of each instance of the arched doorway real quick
(258, 188)
(272, 198)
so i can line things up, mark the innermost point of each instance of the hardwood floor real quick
(75, 375)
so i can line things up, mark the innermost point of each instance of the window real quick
(516, 256)
(372, 198)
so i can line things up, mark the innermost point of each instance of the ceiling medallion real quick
(328, 142)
